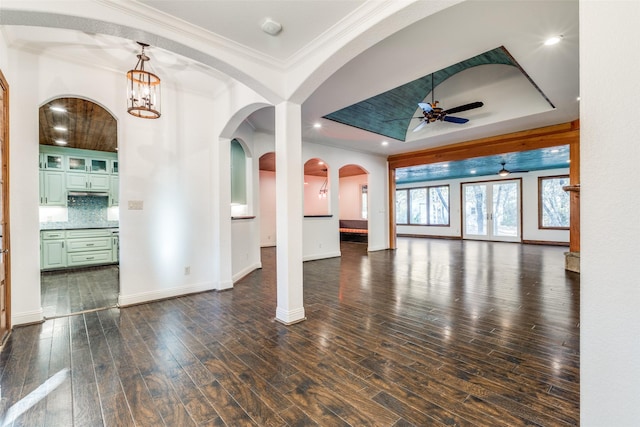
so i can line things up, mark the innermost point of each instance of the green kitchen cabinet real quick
(52, 188)
(114, 192)
(80, 181)
(53, 252)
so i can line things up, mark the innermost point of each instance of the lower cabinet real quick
(77, 248)
(53, 253)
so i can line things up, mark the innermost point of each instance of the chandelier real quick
(322, 194)
(143, 89)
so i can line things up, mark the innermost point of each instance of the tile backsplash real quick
(82, 212)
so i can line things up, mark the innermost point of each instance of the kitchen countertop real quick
(80, 228)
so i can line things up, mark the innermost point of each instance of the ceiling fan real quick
(431, 112)
(505, 172)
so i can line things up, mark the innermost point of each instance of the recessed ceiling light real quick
(60, 128)
(61, 142)
(384, 143)
(271, 27)
(317, 125)
(553, 40)
(58, 109)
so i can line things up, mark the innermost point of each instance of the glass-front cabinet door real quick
(51, 161)
(114, 167)
(77, 164)
(99, 166)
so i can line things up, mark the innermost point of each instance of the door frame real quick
(6, 235)
(492, 238)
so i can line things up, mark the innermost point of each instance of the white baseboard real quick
(239, 275)
(376, 248)
(289, 317)
(35, 316)
(314, 257)
(125, 300)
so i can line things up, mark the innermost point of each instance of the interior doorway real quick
(79, 207)
(492, 210)
(5, 282)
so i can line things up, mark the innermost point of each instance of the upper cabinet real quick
(77, 164)
(99, 166)
(51, 161)
(69, 169)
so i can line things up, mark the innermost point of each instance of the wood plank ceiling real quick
(88, 125)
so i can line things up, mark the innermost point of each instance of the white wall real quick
(350, 196)
(321, 235)
(530, 230)
(164, 163)
(267, 212)
(610, 202)
(314, 205)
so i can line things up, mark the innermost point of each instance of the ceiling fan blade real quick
(465, 107)
(404, 118)
(455, 119)
(420, 126)
(425, 106)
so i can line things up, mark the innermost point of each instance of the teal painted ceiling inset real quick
(532, 160)
(379, 114)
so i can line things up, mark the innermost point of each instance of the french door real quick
(491, 210)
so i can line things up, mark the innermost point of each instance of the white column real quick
(289, 204)
(222, 208)
(610, 202)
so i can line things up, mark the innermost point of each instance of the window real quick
(423, 206)
(553, 206)
(364, 202)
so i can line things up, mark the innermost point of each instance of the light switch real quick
(135, 205)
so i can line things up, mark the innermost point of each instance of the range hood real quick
(87, 194)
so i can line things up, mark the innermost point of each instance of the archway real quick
(354, 204)
(79, 206)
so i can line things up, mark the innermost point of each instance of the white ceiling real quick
(445, 38)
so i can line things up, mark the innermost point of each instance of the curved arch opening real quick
(354, 204)
(79, 206)
(316, 188)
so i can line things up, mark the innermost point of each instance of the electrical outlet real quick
(187, 271)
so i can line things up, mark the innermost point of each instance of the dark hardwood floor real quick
(434, 333)
(72, 291)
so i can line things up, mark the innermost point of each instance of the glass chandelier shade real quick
(324, 190)
(143, 89)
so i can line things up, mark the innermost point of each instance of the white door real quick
(491, 211)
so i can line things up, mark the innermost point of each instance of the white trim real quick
(314, 257)
(124, 300)
(27, 317)
(290, 317)
(239, 275)
(377, 248)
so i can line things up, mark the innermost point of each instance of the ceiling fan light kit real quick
(143, 89)
(431, 112)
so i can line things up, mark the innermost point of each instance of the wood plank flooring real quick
(72, 291)
(434, 333)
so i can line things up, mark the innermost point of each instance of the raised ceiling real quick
(83, 124)
(392, 113)
(431, 40)
(522, 162)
